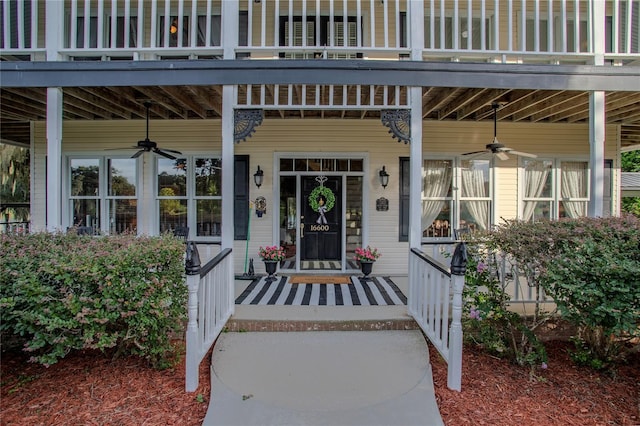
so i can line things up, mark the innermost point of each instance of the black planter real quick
(270, 266)
(366, 268)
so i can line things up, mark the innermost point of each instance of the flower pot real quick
(270, 266)
(366, 267)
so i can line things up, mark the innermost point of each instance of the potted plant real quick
(271, 255)
(366, 256)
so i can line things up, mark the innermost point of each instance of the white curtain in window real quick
(535, 178)
(473, 187)
(436, 181)
(574, 185)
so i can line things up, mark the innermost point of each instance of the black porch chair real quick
(181, 232)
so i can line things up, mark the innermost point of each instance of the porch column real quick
(597, 119)
(415, 187)
(596, 143)
(228, 225)
(55, 20)
(54, 159)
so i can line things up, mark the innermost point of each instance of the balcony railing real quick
(552, 31)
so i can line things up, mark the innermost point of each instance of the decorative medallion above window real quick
(245, 122)
(399, 123)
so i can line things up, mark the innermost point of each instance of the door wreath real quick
(322, 201)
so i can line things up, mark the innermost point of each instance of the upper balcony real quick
(508, 31)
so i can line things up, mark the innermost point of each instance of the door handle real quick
(301, 226)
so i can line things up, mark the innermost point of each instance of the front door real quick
(321, 227)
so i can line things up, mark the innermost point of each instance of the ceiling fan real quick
(148, 145)
(496, 147)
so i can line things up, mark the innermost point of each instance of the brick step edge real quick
(239, 325)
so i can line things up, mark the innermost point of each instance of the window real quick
(465, 40)
(437, 198)
(455, 194)
(11, 38)
(341, 37)
(103, 184)
(189, 193)
(171, 38)
(553, 189)
(475, 197)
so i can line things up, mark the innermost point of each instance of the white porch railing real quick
(514, 31)
(435, 302)
(15, 227)
(211, 303)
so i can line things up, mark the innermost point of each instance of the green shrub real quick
(591, 268)
(488, 321)
(62, 292)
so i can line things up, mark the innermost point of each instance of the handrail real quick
(439, 266)
(208, 267)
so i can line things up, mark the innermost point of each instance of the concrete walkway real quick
(322, 378)
(331, 378)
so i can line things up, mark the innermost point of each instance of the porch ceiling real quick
(19, 106)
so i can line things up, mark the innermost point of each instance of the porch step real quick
(320, 318)
(253, 325)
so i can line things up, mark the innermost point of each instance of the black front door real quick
(321, 238)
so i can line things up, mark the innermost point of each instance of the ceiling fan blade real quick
(475, 152)
(120, 149)
(172, 150)
(477, 155)
(523, 154)
(501, 155)
(138, 154)
(164, 154)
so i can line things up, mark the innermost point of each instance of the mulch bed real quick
(495, 392)
(91, 389)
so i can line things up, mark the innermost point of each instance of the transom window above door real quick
(321, 165)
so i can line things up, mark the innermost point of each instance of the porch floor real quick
(263, 376)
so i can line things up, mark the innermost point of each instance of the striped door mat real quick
(361, 292)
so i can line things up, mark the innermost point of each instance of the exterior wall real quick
(329, 138)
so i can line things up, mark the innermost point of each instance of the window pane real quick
(574, 179)
(536, 210)
(354, 218)
(122, 176)
(573, 209)
(440, 225)
(84, 177)
(475, 179)
(208, 176)
(173, 213)
(209, 217)
(86, 212)
(172, 177)
(537, 179)
(286, 165)
(437, 178)
(474, 215)
(357, 165)
(342, 165)
(123, 216)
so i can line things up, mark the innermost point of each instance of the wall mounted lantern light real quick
(384, 177)
(258, 177)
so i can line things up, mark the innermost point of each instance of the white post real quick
(596, 141)
(54, 159)
(597, 119)
(454, 365)
(229, 42)
(193, 346)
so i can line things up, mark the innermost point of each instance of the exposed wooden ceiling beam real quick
(463, 98)
(488, 96)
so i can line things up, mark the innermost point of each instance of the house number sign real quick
(382, 204)
(319, 228)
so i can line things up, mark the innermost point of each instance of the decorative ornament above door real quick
(399, 123)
